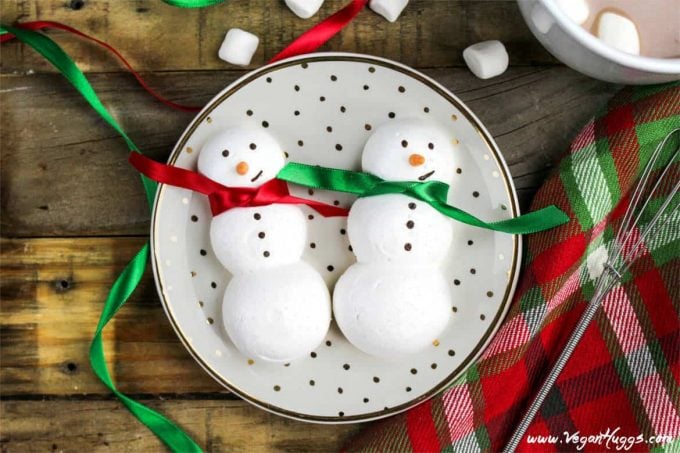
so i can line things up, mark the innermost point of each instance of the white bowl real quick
(580, 50)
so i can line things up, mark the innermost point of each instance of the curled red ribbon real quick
(317, 36)
(43, 24)
(223, 198)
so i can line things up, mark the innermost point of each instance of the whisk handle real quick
(562, 360)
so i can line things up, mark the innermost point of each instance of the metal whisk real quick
(623, 251)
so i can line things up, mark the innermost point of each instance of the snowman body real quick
(395, 299)
(275, 307)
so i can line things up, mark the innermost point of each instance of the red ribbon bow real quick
(223, 198)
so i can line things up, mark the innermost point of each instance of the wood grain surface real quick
(430, 33)
(72, 212)
(229, 426)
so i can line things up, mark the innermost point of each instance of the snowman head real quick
(410, 150)
(241, 157)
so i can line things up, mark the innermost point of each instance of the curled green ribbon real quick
(434, 193)
(192, 3)
(176, 439)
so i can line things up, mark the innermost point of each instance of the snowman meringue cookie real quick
(395, 300)
(275, 307)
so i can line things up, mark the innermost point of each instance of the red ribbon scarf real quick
(223, 198)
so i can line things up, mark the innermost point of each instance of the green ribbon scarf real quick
(176, 439)
(433, 193)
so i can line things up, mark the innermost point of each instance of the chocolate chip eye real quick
(225, 153)
(430, 145)
(253, 146)
(404, 143)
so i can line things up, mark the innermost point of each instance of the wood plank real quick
(158, 37)
(52, 293)
(64, 172)
(232, 426)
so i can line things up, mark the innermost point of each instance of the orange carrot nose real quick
(416, 160)
(242, 168)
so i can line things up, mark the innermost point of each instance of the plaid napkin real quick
(621, 385)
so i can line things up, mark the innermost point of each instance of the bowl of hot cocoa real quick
(620, 41)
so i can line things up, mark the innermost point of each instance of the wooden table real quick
(73, 212)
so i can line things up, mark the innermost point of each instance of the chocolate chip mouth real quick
(425, 176)
(256, 176)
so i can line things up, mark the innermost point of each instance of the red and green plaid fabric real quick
(623, 378)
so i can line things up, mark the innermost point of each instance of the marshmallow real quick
(541, 18)
(618, 32)
(389, 9)
(241, 157)
(238, 47)
(486, 59)
(576, 10)
(304, 8)
(380, 226)
(390, 312)
(277, 314)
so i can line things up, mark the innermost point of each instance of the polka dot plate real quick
(322, 109)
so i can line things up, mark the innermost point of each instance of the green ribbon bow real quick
(433, 193)
(176, 439)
